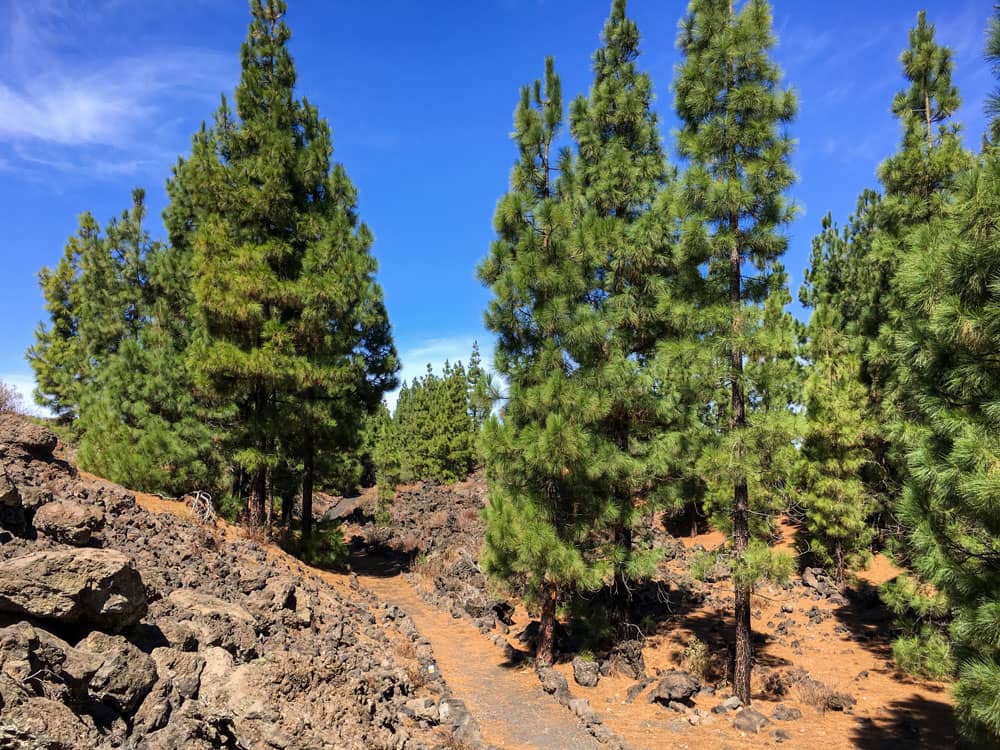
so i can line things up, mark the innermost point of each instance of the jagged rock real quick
(51, 725)
(819, 581)
(750, 720)
(626, 660)
(837, 701)
(583, 710)
(9, 496)
(126, 675)
(182, 669)
(585, 672)
(95, 587)
(452, 712)
(635, 690)
(69, 523)
(196, 727)
(675, 686)
(16, 430)
(554, 684)
(217, 622)
(423, 708)
(786, 713)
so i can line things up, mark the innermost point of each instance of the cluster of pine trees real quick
(640, 318)
(432, 432)
(245, 353)
(650, 363)
(647, 358)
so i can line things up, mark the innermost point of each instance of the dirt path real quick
(507, 701)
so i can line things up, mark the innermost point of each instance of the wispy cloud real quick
(103, 114)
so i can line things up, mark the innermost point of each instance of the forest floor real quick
(845, 647)
(842, 644)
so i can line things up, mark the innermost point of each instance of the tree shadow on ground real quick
(868, 620)
(914, 722)
(376, 559)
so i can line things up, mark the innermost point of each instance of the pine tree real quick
(834, 453)
(431, 434)
(624, 241)
(478, 383)
(836, 464)
(733, 113)
(342, 333)
(138, 417)
(993, 58)
(56, 356)
(951, 506)
(295, 333)
(918, 181)
(542, 507)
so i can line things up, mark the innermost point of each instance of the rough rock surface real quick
(586, 673)
(675, 686)
(69, 523)
(95, 586)
(165, 634)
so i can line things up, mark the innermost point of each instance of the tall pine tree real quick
(624, 242)
(294, 327)
(951, 506)
(733, 114)
(542, 507)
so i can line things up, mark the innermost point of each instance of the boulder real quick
(19, 431)
(182, 668)
(585, 672)
(626, 660)
(217, 622)
(786, 713)
(9, 496)
(749, 720)
(93, 587)
(675, 686)
(69, 523)
(125, 676)
(49, 724)
(554, 683)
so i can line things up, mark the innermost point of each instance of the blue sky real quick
(98, 96)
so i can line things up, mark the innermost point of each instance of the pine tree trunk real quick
(621, 603)
(258, 498)
(741, 496)
(307, 487)
(545, 648)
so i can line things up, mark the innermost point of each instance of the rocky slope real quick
(824, 674)
(124, 628)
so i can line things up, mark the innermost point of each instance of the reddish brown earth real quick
(844, 645)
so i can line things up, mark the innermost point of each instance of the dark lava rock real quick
(675, 686)
(94, 587)
(586, 673)
(749, 720)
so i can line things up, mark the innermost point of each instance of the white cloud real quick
(100, 114)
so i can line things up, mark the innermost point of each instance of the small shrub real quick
(697, 659)
(927, 654)
(325, 548)
(10, 400)
(708, 566)
(438, 519)
(469, 520)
